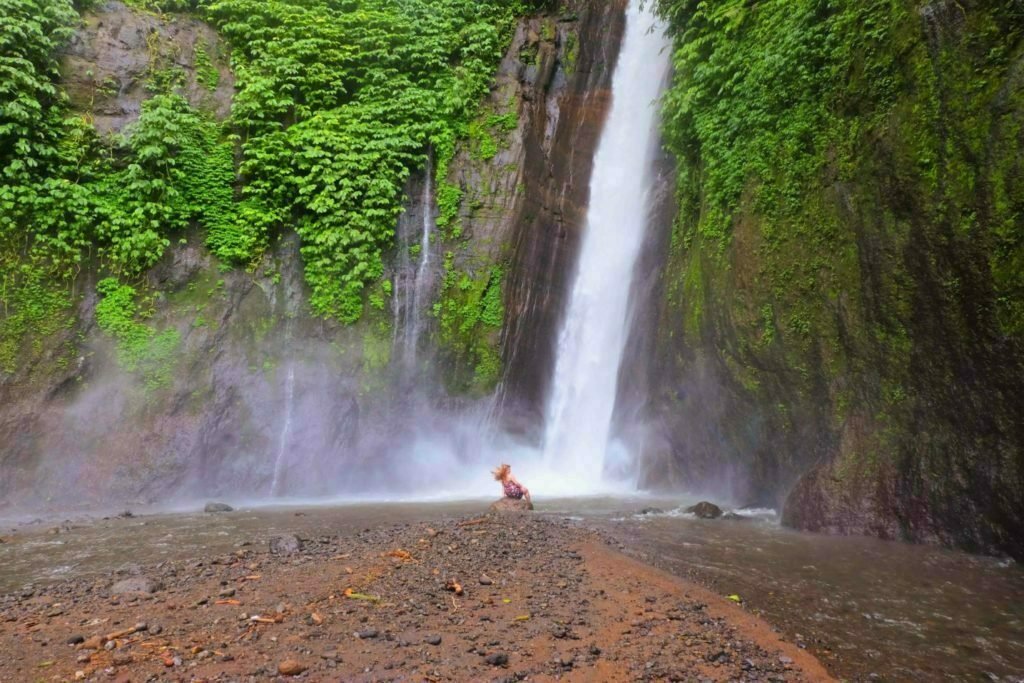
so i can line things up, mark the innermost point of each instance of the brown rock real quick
(94, 643)
(136, 584)
(290, 667)
(511, 505)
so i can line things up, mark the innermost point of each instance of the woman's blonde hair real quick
(501, 472)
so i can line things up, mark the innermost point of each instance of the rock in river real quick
(218, 507)
(705, 510)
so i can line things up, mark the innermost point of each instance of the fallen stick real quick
(473, 522)
(349, 593)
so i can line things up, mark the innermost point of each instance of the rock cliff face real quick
(568, 105)
(117, 51)
(855, 360)
(254, 396)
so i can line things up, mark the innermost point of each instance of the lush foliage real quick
(140, 348)
(470, 312)
(337, 102)
(851, 237)
(775, 105)
(759, 88)
(30, 142)
(66, 195)
(338, 99)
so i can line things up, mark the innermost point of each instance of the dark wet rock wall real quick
(117, 51)
(568, 103)
(858, 361)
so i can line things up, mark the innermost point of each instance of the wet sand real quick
(537, 599)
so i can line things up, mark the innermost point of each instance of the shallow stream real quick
(863, 606)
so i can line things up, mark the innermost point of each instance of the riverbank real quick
(536, 599)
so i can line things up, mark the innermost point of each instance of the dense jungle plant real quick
(337, 101)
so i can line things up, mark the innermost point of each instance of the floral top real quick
(512, 489)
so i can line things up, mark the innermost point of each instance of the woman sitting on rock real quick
(511, 487)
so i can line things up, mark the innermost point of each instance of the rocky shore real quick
(490, 598)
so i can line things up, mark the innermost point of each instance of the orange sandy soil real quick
(540, 600)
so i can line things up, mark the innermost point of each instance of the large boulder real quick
(218, 507)
(511, 505)
(705, 510)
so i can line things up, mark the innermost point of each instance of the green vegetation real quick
(34, 303)
(850, 243)
(206, 73)
(34, 309)
(140, 348)
(470, 312)
(488, 131)
(337, 102)
(775, 113)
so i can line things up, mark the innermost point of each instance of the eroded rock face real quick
(567, 94)
(216, 426)
(503, 505)
(106, 67)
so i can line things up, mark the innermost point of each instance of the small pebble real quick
(497, 659)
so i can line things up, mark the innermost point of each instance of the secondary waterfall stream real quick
(413, 286)
(595, 329)
(286, 430)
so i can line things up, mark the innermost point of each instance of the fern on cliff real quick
(337, 102)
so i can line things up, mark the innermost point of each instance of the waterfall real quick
(595, 328)
(284, 436)
(412, 293)
(286, 430)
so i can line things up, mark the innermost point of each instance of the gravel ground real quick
(492, 598)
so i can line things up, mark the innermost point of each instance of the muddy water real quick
(865, 607)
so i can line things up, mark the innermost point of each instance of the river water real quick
(901, 612)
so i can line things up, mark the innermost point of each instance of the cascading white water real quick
(286, 430)
(594, 333)
(412, 293)
(422, 284)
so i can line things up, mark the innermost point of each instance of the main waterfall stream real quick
(594, 333)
